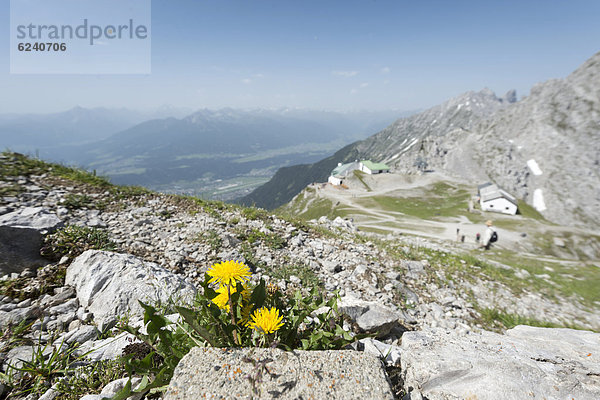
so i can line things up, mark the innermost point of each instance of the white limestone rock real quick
(110, 284)
(223, 374)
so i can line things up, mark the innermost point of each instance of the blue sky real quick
(336, 55)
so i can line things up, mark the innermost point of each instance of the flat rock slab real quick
(15, 317)
(212, 373)
(525, 363)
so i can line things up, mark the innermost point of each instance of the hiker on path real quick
(489, 236)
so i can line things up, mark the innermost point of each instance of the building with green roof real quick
(370, 167)
(341, 172)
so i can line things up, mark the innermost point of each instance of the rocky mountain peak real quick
(588, 72)
(479, 136)
(510, 96)
(400, 143)
(487, 92)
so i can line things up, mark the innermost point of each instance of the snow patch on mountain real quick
(538, 200)
(534, 167)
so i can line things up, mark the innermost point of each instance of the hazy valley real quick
(213, 154)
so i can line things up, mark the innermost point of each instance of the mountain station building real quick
(371, 168)
(493, 198)
(341, 172)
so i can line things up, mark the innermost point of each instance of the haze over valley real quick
(220, 154)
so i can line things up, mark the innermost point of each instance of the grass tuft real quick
(73, 240)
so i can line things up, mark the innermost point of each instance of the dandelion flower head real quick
(265, 320)
(228, 272)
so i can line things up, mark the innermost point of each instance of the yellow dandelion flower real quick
(222, 298)
(265, 320)
(228, 272)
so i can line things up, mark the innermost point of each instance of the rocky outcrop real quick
(110, 285)
(480, 137)
(20, 250)
(526, 362)
(275, 374)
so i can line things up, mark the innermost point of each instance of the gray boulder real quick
(110, 284)
(36, 218)
(106, 349)
(62, 295)
(275, 374)
(389, 353)
(69, 306)
(332, 266)
(96, 222)
(50, 394)
(369, 316)
(339, 222)
(414, 269)
(526, 362)
(82, 334)
(17, 355)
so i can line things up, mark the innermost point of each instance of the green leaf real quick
(189, 317)
(150, 316)
(259, 294)
(209, 293)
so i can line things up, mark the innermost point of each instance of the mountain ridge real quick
(478, 136)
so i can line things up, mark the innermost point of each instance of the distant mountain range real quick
(545, 148)
(31, 132)
(214, 153)
(78, 125)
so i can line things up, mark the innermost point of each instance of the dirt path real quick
(397, 223)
